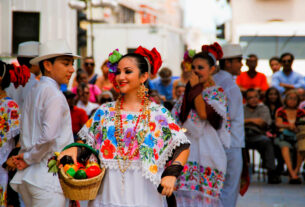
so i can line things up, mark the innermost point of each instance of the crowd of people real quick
(184, 135)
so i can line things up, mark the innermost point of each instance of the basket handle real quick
(95, 152)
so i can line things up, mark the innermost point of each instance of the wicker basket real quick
(85, 189)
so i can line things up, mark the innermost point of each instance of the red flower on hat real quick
(152, 56)
(215, 49)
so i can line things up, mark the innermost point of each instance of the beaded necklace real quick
(128, 156)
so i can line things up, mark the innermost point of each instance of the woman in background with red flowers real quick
(9, 129)
(135, 137)
(203, 113)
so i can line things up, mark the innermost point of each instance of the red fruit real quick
(93, 171)
(80, 165)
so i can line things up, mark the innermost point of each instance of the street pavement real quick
(261, 194)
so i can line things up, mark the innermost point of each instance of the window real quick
(266, 47)
(25, 28)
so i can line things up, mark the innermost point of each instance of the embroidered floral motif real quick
(159, 140)
(9, 119)
(204, 179)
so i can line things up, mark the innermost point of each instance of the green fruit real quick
(71, 173)
(80, 174)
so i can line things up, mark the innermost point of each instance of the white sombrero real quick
(51, 49)
(231, 51)
(28, 49)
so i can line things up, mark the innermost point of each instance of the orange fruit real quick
(67, 167)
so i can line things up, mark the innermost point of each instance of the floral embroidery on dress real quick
(199, 178)
(9, 120)
(161, 137)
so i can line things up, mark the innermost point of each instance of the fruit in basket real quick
(71, 172)
(67, 167)
(66, 160)
(80, 174)
(92, 164)
(93, 171)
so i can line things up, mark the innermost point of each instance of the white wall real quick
(168, 42)
(57, 21)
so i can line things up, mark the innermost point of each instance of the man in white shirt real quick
(230, 66)
(46, 127)
(26, 52)
(83, 94)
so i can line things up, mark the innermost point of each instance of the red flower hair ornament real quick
(19, 75)
(153, 57)
(214, 50)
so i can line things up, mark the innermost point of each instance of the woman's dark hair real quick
(42, 69)
(81, 87)
(288, 93)
(24, 61)
(79, 73)
(141, 62)
(278, 103)
(6, 79)
(205, 56)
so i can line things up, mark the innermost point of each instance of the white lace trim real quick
(84, 134)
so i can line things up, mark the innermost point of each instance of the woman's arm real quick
(168, 181)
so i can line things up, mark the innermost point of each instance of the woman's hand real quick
(194, 79)
(168, 184)
(19, 162)
(72, 151)
(10, 164)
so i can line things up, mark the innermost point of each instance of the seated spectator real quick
(102, 81)
(88, 66)
(252, 78)
(155, 97)
(285, 119)
(94, 91)
(257, 120)
(83, 96)
(287, 79)
(164, 85)
(275, 65)
(179, 91)
(105, 97)
(184, 78)
(78, 116)
(273, 101)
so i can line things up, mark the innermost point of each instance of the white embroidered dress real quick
(203, 175)
(9, 128)
(139, 187)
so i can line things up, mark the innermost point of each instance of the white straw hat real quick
(28, 49)
(231, 51)
(51, 49)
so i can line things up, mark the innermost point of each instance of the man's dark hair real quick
(165, 73)
(42, 69)
(250, 90)
(252, 55)
(274, 58)
(24, 61)
(88, 58)
(285, 54)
